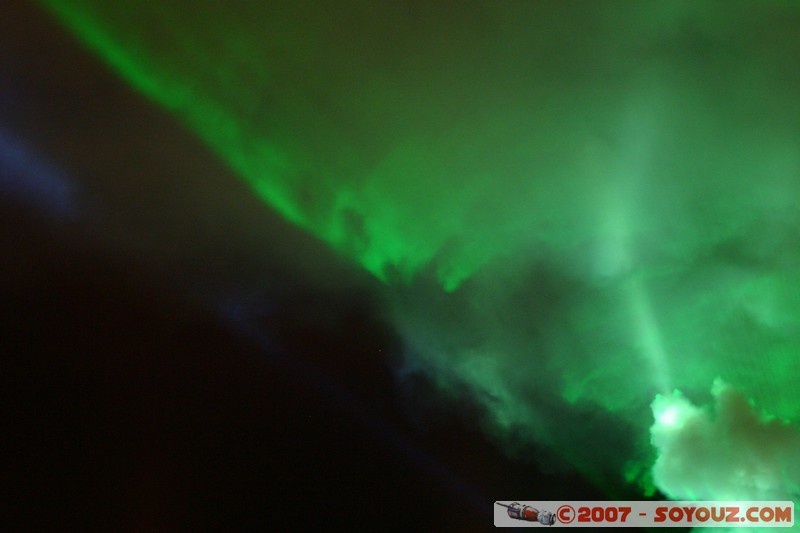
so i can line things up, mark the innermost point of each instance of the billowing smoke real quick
(725, 451)
(572, 207)
(728, 450)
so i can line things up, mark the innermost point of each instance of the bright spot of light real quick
(669, 417)
(671, 411)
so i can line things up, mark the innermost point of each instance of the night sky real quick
(304, 266)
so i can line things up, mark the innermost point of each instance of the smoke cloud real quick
(727, 451)
(573, 207)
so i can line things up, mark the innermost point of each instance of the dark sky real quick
(176, 359)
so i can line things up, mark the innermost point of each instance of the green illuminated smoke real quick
(729, 453)
(574, 206)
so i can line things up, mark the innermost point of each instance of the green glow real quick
(233, 82)
(604, 198)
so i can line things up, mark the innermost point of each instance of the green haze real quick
(573, 206)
